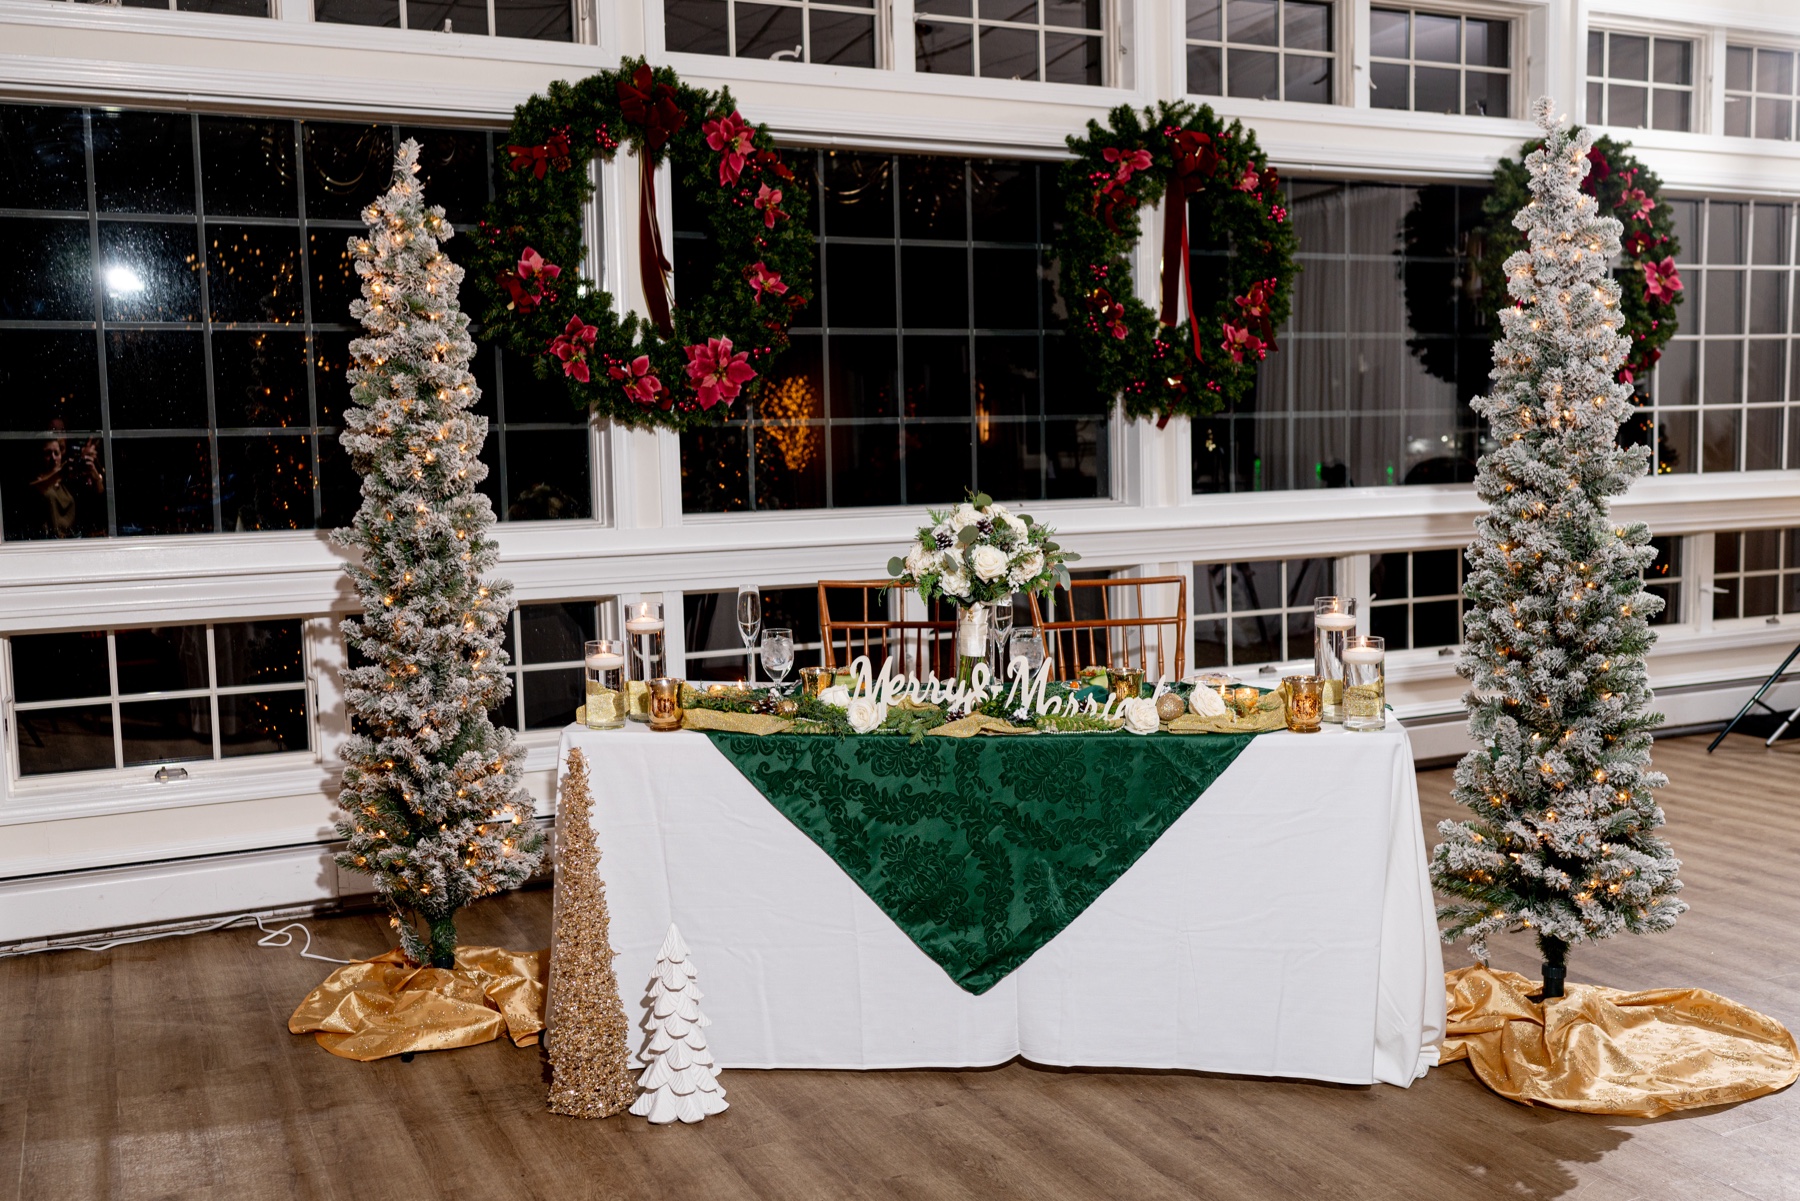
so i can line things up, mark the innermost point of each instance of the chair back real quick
(860, 622)
(1105, 623)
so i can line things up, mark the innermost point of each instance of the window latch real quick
(165, 775)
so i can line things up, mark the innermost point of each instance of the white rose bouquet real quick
(979, 552)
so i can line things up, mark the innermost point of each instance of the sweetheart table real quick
(1282, 925)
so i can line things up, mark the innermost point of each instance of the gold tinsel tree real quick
(590, 1052)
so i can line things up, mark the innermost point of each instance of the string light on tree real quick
(1559, 784)
(426, 772)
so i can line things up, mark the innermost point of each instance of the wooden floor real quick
(165, 1070)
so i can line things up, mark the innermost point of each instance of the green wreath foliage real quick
(1650, 287)
(529, 251)
(1131, 162)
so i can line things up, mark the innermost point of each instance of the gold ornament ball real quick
(1169, 706)
(788, 708)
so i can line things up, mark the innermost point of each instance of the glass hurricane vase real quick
(971, 638)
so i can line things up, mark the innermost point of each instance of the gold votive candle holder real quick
(1305, 699)
(1126, 685)
(665, 703)
(1244, 701)
(814, 680)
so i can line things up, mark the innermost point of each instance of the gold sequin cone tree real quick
(590, 1049)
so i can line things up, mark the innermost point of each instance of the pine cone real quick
(943, 540)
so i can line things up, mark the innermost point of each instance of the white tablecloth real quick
(1282, 926)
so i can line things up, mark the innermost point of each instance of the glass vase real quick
(1334, 620)
(971, 639)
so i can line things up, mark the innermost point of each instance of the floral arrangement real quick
(980, 552)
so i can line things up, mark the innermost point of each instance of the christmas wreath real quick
(1649, 285)
(686, 365)
(1159, 364)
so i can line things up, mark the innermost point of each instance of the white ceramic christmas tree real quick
(681, 1082)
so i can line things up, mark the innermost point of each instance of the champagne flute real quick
(777, 655)
(1002, 620)
(749, 619)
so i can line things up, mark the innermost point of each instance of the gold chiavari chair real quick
(920, 646)
(1083, 629)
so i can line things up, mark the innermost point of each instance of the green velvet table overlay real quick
(983, 849)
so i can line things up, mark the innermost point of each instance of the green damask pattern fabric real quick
(982, 849)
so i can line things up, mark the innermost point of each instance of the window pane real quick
(1626, 106)
(166, 731)
(764, 31)
(53, 489)
(358, 12)
(1771, 233)
(1437, 90)
(1069, 59)
(1252, 74)
(932, 203)
(1723, 379)
(1724, 308)
(694, 26)
(1721, 437)
(1306, 26)
(555, 633)
(247, 167)
(1775, 72)
(164, 486)
(1488, 94)
(1076, 14)
(1389, 33)
(842, 39)
(1435, 38)
(258, 652)
(1203, 77)
(1308, 79)
(937, 376)
(161, 659)
(78, 738)
(1774, 119)
(1008, 53)
(263, 723)
(1738, 61)
(259, 379)
(1388, 85)
(1762, 437)
(156, 380)
(546, 20)
(1006, 288)
(143, 162)
(1487, 42)
(1676, 439)
(859, 286)
(1630, 57)
(49, 380)
(46, 270)
(1203, 19)
(865, 465)
(937, 462)
(547, 475)
(347, 166)
(253, 273)
(1596, 53)
(448, 16)
(944, 48)
(150, 272)
(1766, 375)
(1251, 21)
(1670, 109)
(859, 201)
(54, 667)
(551, 697)
(43, 158)
(1004, 201)
(1007, 10)
(266, 483)
(1673, 61)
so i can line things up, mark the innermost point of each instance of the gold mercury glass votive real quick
(1244, 701)
(1126, 685)
(1305, 695)
(665, 703)
(814, 680)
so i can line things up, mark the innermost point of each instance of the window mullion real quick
(112, 684)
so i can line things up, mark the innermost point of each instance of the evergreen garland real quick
(527, 261)
(1561, 840)
(1117, 338)
(432, 803)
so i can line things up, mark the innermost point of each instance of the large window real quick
(544, 648)
(169, 694)
(715, 645)
(1260, 49)
(1756, 573)
(1055, 40)
(929, 362)
(841, 32)
(1415, 598)
(1637, 82)
(1250, 613)
(1438, 63)
(1719, 400)
(1760, 89)
(548, 20)
(175, 324)
(1378, 361)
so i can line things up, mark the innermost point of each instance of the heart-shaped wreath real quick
(1165, 366)
(1649, 285)
(685, 366)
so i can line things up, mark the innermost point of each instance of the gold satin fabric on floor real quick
(384, 1006)
(1599, 1050)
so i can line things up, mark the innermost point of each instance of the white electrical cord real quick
(267, 940)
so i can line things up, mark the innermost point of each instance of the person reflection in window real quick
(73, 485)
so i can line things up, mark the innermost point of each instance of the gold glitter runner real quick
(386, 1006)
(1599, 1050)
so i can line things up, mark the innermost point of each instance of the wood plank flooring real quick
(164, 1070)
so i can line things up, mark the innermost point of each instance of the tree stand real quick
(1556, 968)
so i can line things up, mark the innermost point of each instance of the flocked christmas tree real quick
(1561, 842)
(432, 803)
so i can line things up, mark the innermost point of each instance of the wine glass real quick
(749, 617)
(1027, 643)
(777, 654)
(1002, 621)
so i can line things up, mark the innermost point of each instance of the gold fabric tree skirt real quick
(1599, 1050)
(385, 1006)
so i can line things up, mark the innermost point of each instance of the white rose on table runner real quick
(990, 562)
(1027, 567)
(865, 714)
(837, 695)
(1206, 702)
(1140, 716)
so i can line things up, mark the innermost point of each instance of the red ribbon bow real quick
(652, 105)
(1197, 160)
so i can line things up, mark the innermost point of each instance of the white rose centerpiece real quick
(1140, 716)
(865, 713)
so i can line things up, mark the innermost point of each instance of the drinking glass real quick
(1365, 686)
(1001, 620)
(749, 616)
(1334, 619)
(1027, 643)
(777, 654)
(606, 694)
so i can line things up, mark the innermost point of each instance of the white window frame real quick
(1518, 57)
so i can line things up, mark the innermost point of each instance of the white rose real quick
(865, 713)
(837, 695)
(964, 517)
(954, 584)
(919, 560)
(990, 562)
(1206, 702)
(1140, 716)
(1019, 528)
(1027, 567)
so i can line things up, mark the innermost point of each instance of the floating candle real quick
(605, 662)
(1335, 621)
(1362, 654)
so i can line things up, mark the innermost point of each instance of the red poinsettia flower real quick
(1598, 167)
(572, 346)
(1637, 242)
(1128, 161)
(1240, 341)
(717, 374)
(640, 382)
(763, 280)
(767, 201)
(734, 138)
(1662, 280)
(1250, 181)
(1636, 203)
(1108, 312)
(533, 266)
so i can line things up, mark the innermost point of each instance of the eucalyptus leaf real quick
(896, 566)
(967, 536)
(981, 500)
